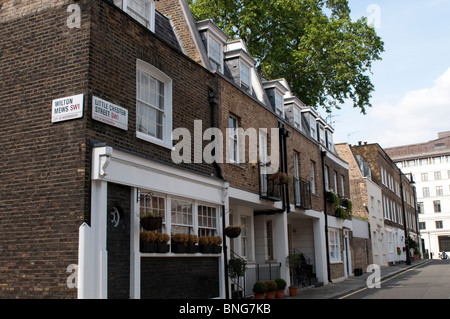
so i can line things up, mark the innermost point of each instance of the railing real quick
(302, 193)
(269, 187)
(260, 272)
(304, 273)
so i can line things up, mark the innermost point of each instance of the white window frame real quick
(313, 178)
(146, 17)
(212, 39)
(326, 178)
(297, 118)
(279, 104)
(243, 76)
(166, 141)
(233, 139)
(334, 245)
(297, 179)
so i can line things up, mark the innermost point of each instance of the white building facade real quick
(429, 165)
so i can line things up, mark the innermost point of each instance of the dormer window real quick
(276, 92)
(240, 64)
(297, 118)
(214, 40)
(329, 136)
(313, 125)
(245, 76)
(215, 54)
(142, 11)
(279, 104)
(321, 135)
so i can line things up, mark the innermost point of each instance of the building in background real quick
(398, 201)
(429, 165)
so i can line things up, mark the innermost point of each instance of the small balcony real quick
(270, 187)
(302, 193)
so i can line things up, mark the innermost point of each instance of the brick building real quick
(94, 95)
(398, 202)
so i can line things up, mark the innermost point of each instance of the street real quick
(428, 281)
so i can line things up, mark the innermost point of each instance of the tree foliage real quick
(324, 55)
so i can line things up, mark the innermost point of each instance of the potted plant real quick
(162, 241)
(399, 251)
(341, 212)
(281, 285)
(293, 261)
(236, 267)
(232, 231)
(148, 242)
(347, 203)
(179, 243)
(216, 242)
(416, 254)
(204, 245)
(259, 289)
(192, 244)
(271, 288)
(150, 221)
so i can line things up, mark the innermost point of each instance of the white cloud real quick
(417, 117)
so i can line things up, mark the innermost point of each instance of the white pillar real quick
(135, 257)
(99, 273)
(320, 250)
(281, 248)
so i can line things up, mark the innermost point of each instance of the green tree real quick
(324, 55)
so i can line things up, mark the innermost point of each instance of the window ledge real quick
(154, 140)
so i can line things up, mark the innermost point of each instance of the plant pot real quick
(279, 293)
(178, 248)
(205, 249)
(216, 249)
(192, 249)
(232, 232)
(148, 247)
(163, 248)
(259, 296)
(151, 223)
(270, 295)
(293, 291)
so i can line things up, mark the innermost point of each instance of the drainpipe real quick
(213, 103)
(405, 227)
(323, 154)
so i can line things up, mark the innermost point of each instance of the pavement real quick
(335, 290)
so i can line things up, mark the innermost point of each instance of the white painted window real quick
(296, 180)
(207, 220)
(245, 237)
(215, 53)
(181, 217)
(153, 105)
(334, 240)
(313, 178)
(233, 134)
(279, 104)
(245, 74)
(143, 11)
(297, 118)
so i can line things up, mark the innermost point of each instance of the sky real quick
(411, 101)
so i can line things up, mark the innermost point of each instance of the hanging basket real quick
(151, 223)
(232, 231)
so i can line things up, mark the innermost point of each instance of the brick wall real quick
(117, 42)
(42, 164)
(179, 278)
